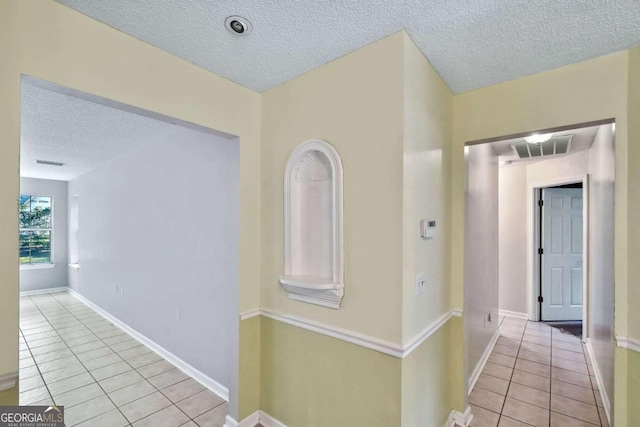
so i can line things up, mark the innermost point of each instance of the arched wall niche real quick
(313, 258)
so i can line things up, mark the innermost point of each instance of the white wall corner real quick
(8, 381)
(268, 421)
(603, 393)
(458, 419)
(514, 314)
(628, 343)
(457, 312)
(483, 360)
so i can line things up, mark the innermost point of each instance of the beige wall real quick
(48, 41)
(355, 104)
(426, 385)
(578, 93)
(633, 298)
(428, 108)
(249, 380)
(309, 379)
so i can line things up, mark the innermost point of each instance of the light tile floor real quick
(536, 376)
(72, 356)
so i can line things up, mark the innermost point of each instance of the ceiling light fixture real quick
(48, 162)
(238, 25)
(538, 138)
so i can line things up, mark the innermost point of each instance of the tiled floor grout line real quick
(84, 366)
(551, 340)
(63, 319)
(512, 372)
(144, 379)
(37, 367)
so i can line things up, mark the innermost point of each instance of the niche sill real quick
(315, 290)
(74, 266)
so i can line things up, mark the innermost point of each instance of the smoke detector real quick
(238, 25)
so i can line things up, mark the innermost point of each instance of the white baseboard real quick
(513, 314)
(458, 419)
(251, 421)
(483, 360)
(231, 422)
(268, 421)
(8, 381)
(44, 291)
(258, 417)
(206, 381)
(628, 343)
(596, 370)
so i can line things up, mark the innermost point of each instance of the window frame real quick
(51, 230)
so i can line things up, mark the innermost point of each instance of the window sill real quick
(35, 266)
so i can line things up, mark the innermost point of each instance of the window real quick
(35, 229)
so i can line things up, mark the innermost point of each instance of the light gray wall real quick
(513, 238)
(481, 252)
(601, 250)
(31, 280)
(161, 223)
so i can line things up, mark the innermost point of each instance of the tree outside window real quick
(35, 229)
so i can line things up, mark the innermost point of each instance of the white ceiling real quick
(81, 134)
(471, 43)
(581, 141)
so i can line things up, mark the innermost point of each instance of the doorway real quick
(560, 255)
(118, 274)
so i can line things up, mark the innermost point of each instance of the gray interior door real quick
(562, 254)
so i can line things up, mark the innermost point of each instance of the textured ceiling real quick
(82, 134)
(471, 43)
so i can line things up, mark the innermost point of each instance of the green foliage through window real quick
(35, 229)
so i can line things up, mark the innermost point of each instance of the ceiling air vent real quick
(554, 146)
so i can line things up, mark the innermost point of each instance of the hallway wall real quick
(161, 224)
(480, 253)
(32, 280)
(601, 247)
(512, 208)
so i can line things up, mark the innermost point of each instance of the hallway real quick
(536, 376)
(72, 356)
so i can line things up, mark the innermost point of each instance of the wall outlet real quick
(420, 283)
(117, 289)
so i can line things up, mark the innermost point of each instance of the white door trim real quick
(533, 221)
